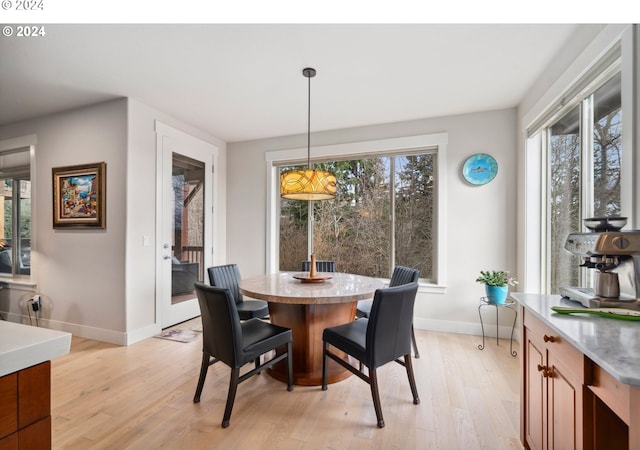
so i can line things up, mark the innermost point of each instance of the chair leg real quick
(324, 365)
(415, 344)
(412, 380)
(231, 396)
(373, 381)
(203, 374)
(289, 367)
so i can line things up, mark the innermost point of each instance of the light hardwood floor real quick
(140, 397)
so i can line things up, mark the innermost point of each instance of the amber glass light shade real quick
(308, 184)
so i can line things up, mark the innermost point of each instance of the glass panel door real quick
(187, 250)
(186, 231)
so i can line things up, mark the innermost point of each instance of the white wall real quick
(480, 220)
(100, 284)
(79, 273)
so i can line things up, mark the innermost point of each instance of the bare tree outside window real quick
(383, 203)
(564, 189)
(566, 196)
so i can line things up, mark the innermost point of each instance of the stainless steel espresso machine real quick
(615, 255)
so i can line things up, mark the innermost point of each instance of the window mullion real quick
(586, 157)
(392, 212)
(15, 225)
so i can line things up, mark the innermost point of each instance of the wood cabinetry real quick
(552, 391)
(25, 408)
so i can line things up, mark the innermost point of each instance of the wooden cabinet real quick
(553, 389)
(25, 408)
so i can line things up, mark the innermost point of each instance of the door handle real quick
(166, 257)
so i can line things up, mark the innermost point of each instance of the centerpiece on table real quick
(497, 284)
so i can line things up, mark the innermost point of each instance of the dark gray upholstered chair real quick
(377, 340)
(236, 343)
(401, 275)
(228, 276)
(321, 266)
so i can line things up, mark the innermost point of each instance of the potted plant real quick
(497, 284)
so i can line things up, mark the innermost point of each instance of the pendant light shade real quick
(308, 184)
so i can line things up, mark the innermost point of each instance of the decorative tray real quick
(308, 279)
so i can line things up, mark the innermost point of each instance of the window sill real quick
(424, 287)
(25, 284)
(429, 288)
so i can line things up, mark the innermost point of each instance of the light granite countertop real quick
(612, 344)
(23, 346)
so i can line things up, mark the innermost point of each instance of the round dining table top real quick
(284, 287)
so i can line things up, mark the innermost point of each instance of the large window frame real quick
(26, 144)
(614, 56)
(387, 147)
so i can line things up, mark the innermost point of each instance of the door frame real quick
(163, 133)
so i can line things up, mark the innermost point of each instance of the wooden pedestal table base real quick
(307, 322)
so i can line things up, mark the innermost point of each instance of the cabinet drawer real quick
(564, 351)
(34, 394)
(8, 404)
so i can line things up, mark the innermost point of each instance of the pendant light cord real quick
(309, 126)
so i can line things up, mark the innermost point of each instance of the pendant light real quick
(308, 184)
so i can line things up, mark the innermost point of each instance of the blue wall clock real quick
(479, 169)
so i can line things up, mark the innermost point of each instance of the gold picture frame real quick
(79, 196)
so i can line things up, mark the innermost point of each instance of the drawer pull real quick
(549, 338)
(545, 370)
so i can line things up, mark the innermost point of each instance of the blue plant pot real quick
(497, 294)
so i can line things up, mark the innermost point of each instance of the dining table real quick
(307, 306)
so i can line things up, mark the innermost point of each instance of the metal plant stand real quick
(508, 304)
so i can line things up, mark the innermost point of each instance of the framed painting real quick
(79, 196)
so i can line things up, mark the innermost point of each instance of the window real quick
(584, 175)
(385, 213)
(15, 201)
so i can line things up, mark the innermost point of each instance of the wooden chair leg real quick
(289, 367)
(324, 365)
(415, 344)
(231, 396)
(412, 380)
(373, 381)
(203, 374)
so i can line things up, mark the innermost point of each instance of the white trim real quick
(209, 155)
(606, 39)
(387, 146)
(19, 142)
(27, 141)
(535, 214)
(84, 331)
(630, 159)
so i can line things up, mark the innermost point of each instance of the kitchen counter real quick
(23, 346)
(612, 344)
(25, 383)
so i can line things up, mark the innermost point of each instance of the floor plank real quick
(141, 396)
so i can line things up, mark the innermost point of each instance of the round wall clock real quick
(479, 169)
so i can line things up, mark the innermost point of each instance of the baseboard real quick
(143, 333)
(96, 334)
(473, 329)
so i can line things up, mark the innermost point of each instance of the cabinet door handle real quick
(544, 369)
(549, 338)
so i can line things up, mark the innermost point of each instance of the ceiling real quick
(244, 82)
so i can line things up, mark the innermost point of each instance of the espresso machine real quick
(615, 256)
